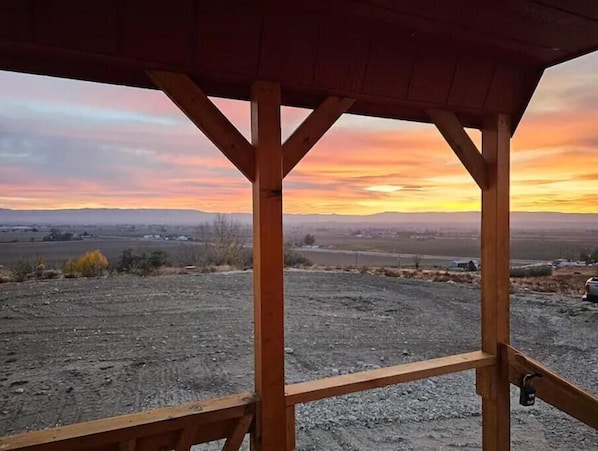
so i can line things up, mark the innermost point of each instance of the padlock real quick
(527, 393)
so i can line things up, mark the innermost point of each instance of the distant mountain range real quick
(435, 220)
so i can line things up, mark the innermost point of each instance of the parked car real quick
(591, 289)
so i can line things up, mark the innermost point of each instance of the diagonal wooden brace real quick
(208, 118)
(311, 130)
(451, 129)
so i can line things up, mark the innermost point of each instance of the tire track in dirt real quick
(101, 347)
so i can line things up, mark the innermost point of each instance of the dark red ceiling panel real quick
(529, 23)
(228, 39)
(471, 82)
(72, 24)
(582, 8)
(289, 48)
(15, 19)
(362, 49)
(432, 76)
(342, 54)
(389, 65)
(506, 89)
(158, 31)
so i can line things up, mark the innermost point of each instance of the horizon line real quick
(295, 214)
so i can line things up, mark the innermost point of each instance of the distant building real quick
(563, 263)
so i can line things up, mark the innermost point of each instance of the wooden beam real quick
(126, 429)
(268, 268)
(493, 383)
(291, 434)
(186, 439)
(552, 388)
(128, 445)
(235, 440)
(451, 129)
(366, 380)
(311, 130)
(208, 118)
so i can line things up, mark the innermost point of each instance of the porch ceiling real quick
(396, 58)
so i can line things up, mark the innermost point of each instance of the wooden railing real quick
(366, 380)
(169, 428)
(552, 388)
(178, 428)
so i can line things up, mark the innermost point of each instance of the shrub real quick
(69, 269)
(309, 240)
(294, 258)
(22, 270)
(40, 266)
(157, 258)
(531, 271)
(91, 264)
(141, 263)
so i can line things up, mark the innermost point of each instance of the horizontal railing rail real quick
(181, 427)
(303, 392)
(552, 388)
(168, 428)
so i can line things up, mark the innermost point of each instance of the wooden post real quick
(270, 433)
(493, 382)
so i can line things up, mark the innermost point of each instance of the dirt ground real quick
(78, 349)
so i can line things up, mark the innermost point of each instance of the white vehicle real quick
(591, 290)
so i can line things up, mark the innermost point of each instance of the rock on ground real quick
(74, 350)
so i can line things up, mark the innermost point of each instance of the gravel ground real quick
(74, 350)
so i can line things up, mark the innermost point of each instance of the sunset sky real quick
(70, 144)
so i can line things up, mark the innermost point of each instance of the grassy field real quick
(111, 241)
(56, 253)
(521, 248)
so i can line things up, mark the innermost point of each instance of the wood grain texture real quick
(211, 418)
(390, 56)
(235, 440)
(268, 277)
(366, 380)
(552, 388)
(451, 129)
(311, 130)
(492, 383)
(291, 433)
(207, 117)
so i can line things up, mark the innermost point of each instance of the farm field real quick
(79, 349)
(337, 247)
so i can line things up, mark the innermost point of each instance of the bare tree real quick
(309, 239)
(228, 240)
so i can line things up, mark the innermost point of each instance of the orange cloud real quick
(73, 144)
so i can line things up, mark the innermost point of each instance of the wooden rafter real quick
(492, 383)
(366, 380)
(311, 130)
(451, 129)
(208, 118)
(552, 388)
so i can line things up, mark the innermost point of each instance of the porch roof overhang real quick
(397, 59)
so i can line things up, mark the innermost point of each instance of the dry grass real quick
(566, 281)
